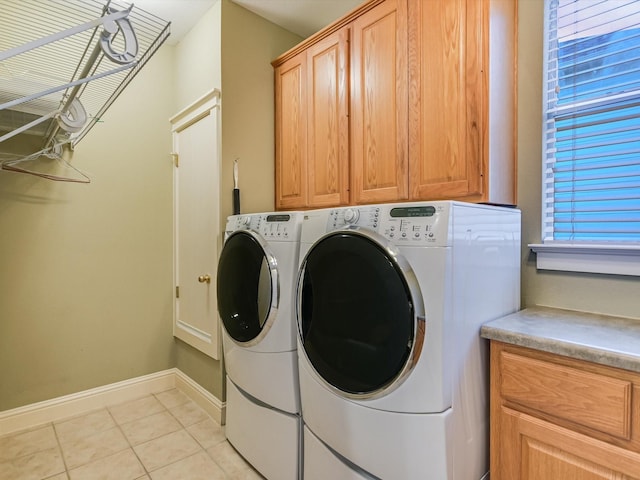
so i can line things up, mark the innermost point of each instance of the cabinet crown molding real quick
(328, 30)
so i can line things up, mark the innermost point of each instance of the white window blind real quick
(591, 144)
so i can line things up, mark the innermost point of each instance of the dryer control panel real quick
(271, 226)
(408, 224)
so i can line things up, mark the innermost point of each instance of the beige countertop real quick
(607, 340)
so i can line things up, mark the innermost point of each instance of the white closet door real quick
(197, 223)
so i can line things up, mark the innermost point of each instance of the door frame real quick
(207, 105)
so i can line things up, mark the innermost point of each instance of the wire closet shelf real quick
(63, 63)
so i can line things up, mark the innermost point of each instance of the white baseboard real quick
(205, 399)
(35, 414)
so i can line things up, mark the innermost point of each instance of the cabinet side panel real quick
(502, 127)
(496, 451)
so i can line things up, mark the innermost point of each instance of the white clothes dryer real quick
(256, 287)
(393, 372)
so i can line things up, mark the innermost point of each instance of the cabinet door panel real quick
(545, 451)
(291, 134)
(544, 461)
(447, 88)
(379, 104)
(328, 128)
(585, 398)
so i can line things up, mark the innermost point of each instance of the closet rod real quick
(59, 88)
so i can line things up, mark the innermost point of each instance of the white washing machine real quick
(256, 287)
(393, 372)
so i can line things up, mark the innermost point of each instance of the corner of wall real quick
(248, 105)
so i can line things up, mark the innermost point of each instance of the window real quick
(591, 137)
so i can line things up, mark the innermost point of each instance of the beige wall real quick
(248, 105)
(616, 295)
(197, 71)
(197, 67)
(85, 283)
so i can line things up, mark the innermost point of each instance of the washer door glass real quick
(247, 288)
(356, 317)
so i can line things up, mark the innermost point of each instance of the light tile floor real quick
(164, 436)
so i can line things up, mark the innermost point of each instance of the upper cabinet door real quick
(379, 104)
(446, 113)
(291, 133)
(457, 151)
(328, 120)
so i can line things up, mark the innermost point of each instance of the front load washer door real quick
(248, 289)
(360, 313)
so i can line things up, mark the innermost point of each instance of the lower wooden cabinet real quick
(556, 418)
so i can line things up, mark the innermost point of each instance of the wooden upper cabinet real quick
(462, 100)
(400, 100)
(312, 132)
(355, 108)
(379, 142)
(291, 133)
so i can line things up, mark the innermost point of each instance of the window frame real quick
(580, 256)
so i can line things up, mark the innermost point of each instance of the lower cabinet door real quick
(533, 449)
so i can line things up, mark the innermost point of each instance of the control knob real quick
(351, 215)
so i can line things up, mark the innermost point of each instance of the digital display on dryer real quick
(413, 211)
(278, 218)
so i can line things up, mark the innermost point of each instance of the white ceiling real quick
(303, 17)
(183, 14)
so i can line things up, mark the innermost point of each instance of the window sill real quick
(615, 260)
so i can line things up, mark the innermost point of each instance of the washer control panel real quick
(271, 226)
(403, 224)
(362, 216)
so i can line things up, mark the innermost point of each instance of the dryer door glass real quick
(245, 287)
(356, 317)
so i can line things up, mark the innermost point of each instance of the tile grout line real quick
(202, 449)
(165, 409)
(185, 428)
(190, 417)
(119, 426)
(93, 433)
(182, 427)
(64, 462)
